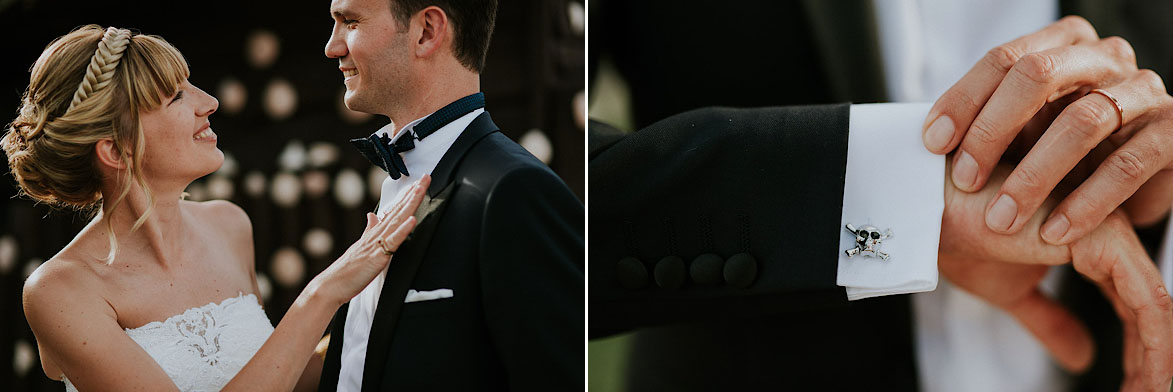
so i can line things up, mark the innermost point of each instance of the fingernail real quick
(1002, 214)
(964, 171)
(939, 134)
(1055, 228)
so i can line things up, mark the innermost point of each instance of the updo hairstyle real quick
(86, 86)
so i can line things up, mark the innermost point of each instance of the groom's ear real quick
(436, 31)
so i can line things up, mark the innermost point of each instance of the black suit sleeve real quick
(716, 213)
(532, 256)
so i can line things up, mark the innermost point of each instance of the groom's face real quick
(372, 54)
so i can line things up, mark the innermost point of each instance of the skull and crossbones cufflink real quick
(867, 239)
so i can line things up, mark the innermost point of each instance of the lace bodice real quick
(202, 348)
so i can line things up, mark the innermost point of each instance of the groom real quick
(487, 293)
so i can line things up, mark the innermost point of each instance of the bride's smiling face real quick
(179, 141)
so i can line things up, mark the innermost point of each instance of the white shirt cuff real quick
(892, 182)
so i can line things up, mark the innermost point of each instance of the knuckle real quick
(1002, 57)
(983, 132)
(1029, 179)
(1162, 301)
(964, 100)
(1037, 67)
(1128, 166)
(1152, 80)
(1079, 25)
(1120, 48)
(1083, 211)
(1086, 117)
(1091, 260)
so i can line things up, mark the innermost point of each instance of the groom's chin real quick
(353, 102)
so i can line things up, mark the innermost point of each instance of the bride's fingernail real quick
(1055, 228)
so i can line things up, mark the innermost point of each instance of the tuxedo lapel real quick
(446, 168)
(401, 272)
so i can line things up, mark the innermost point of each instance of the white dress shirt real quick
(360, 314)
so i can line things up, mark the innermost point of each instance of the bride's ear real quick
(109, 156)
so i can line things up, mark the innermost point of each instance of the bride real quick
(157, 293)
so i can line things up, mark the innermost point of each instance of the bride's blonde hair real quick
(89, 85)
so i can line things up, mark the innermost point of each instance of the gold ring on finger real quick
(1115, 104)
(383, 246)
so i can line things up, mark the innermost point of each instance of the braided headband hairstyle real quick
(101, 69)
(87, 86)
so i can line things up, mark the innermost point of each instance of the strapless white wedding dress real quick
(202, 348)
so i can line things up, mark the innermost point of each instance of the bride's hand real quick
(1031, 96)
(368, 256)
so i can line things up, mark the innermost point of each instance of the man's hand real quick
(1005, 271)
(1113, 258)
(1034, 90)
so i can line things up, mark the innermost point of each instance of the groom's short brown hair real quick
(472, 22)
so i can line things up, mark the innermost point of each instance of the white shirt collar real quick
(409, 128)
(425, 156)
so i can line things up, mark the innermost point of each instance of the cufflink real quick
(867, 241)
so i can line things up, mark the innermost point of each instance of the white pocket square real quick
(417, 296)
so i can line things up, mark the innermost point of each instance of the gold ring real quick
(384, 247)
(1115, 103)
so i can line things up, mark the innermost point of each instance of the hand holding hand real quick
(1113, 257)
(1005, 271)
(1035, 91)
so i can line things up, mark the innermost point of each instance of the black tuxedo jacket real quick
(506, 235)
(714, 231)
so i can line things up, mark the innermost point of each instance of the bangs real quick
(156, 70)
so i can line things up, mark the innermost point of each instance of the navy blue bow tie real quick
(381, 151)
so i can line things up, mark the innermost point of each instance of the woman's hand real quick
(367, 257)
(280, 361)
(1035, 91)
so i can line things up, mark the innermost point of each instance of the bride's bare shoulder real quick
(59, 285)
(61, 276)
(60, 288)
